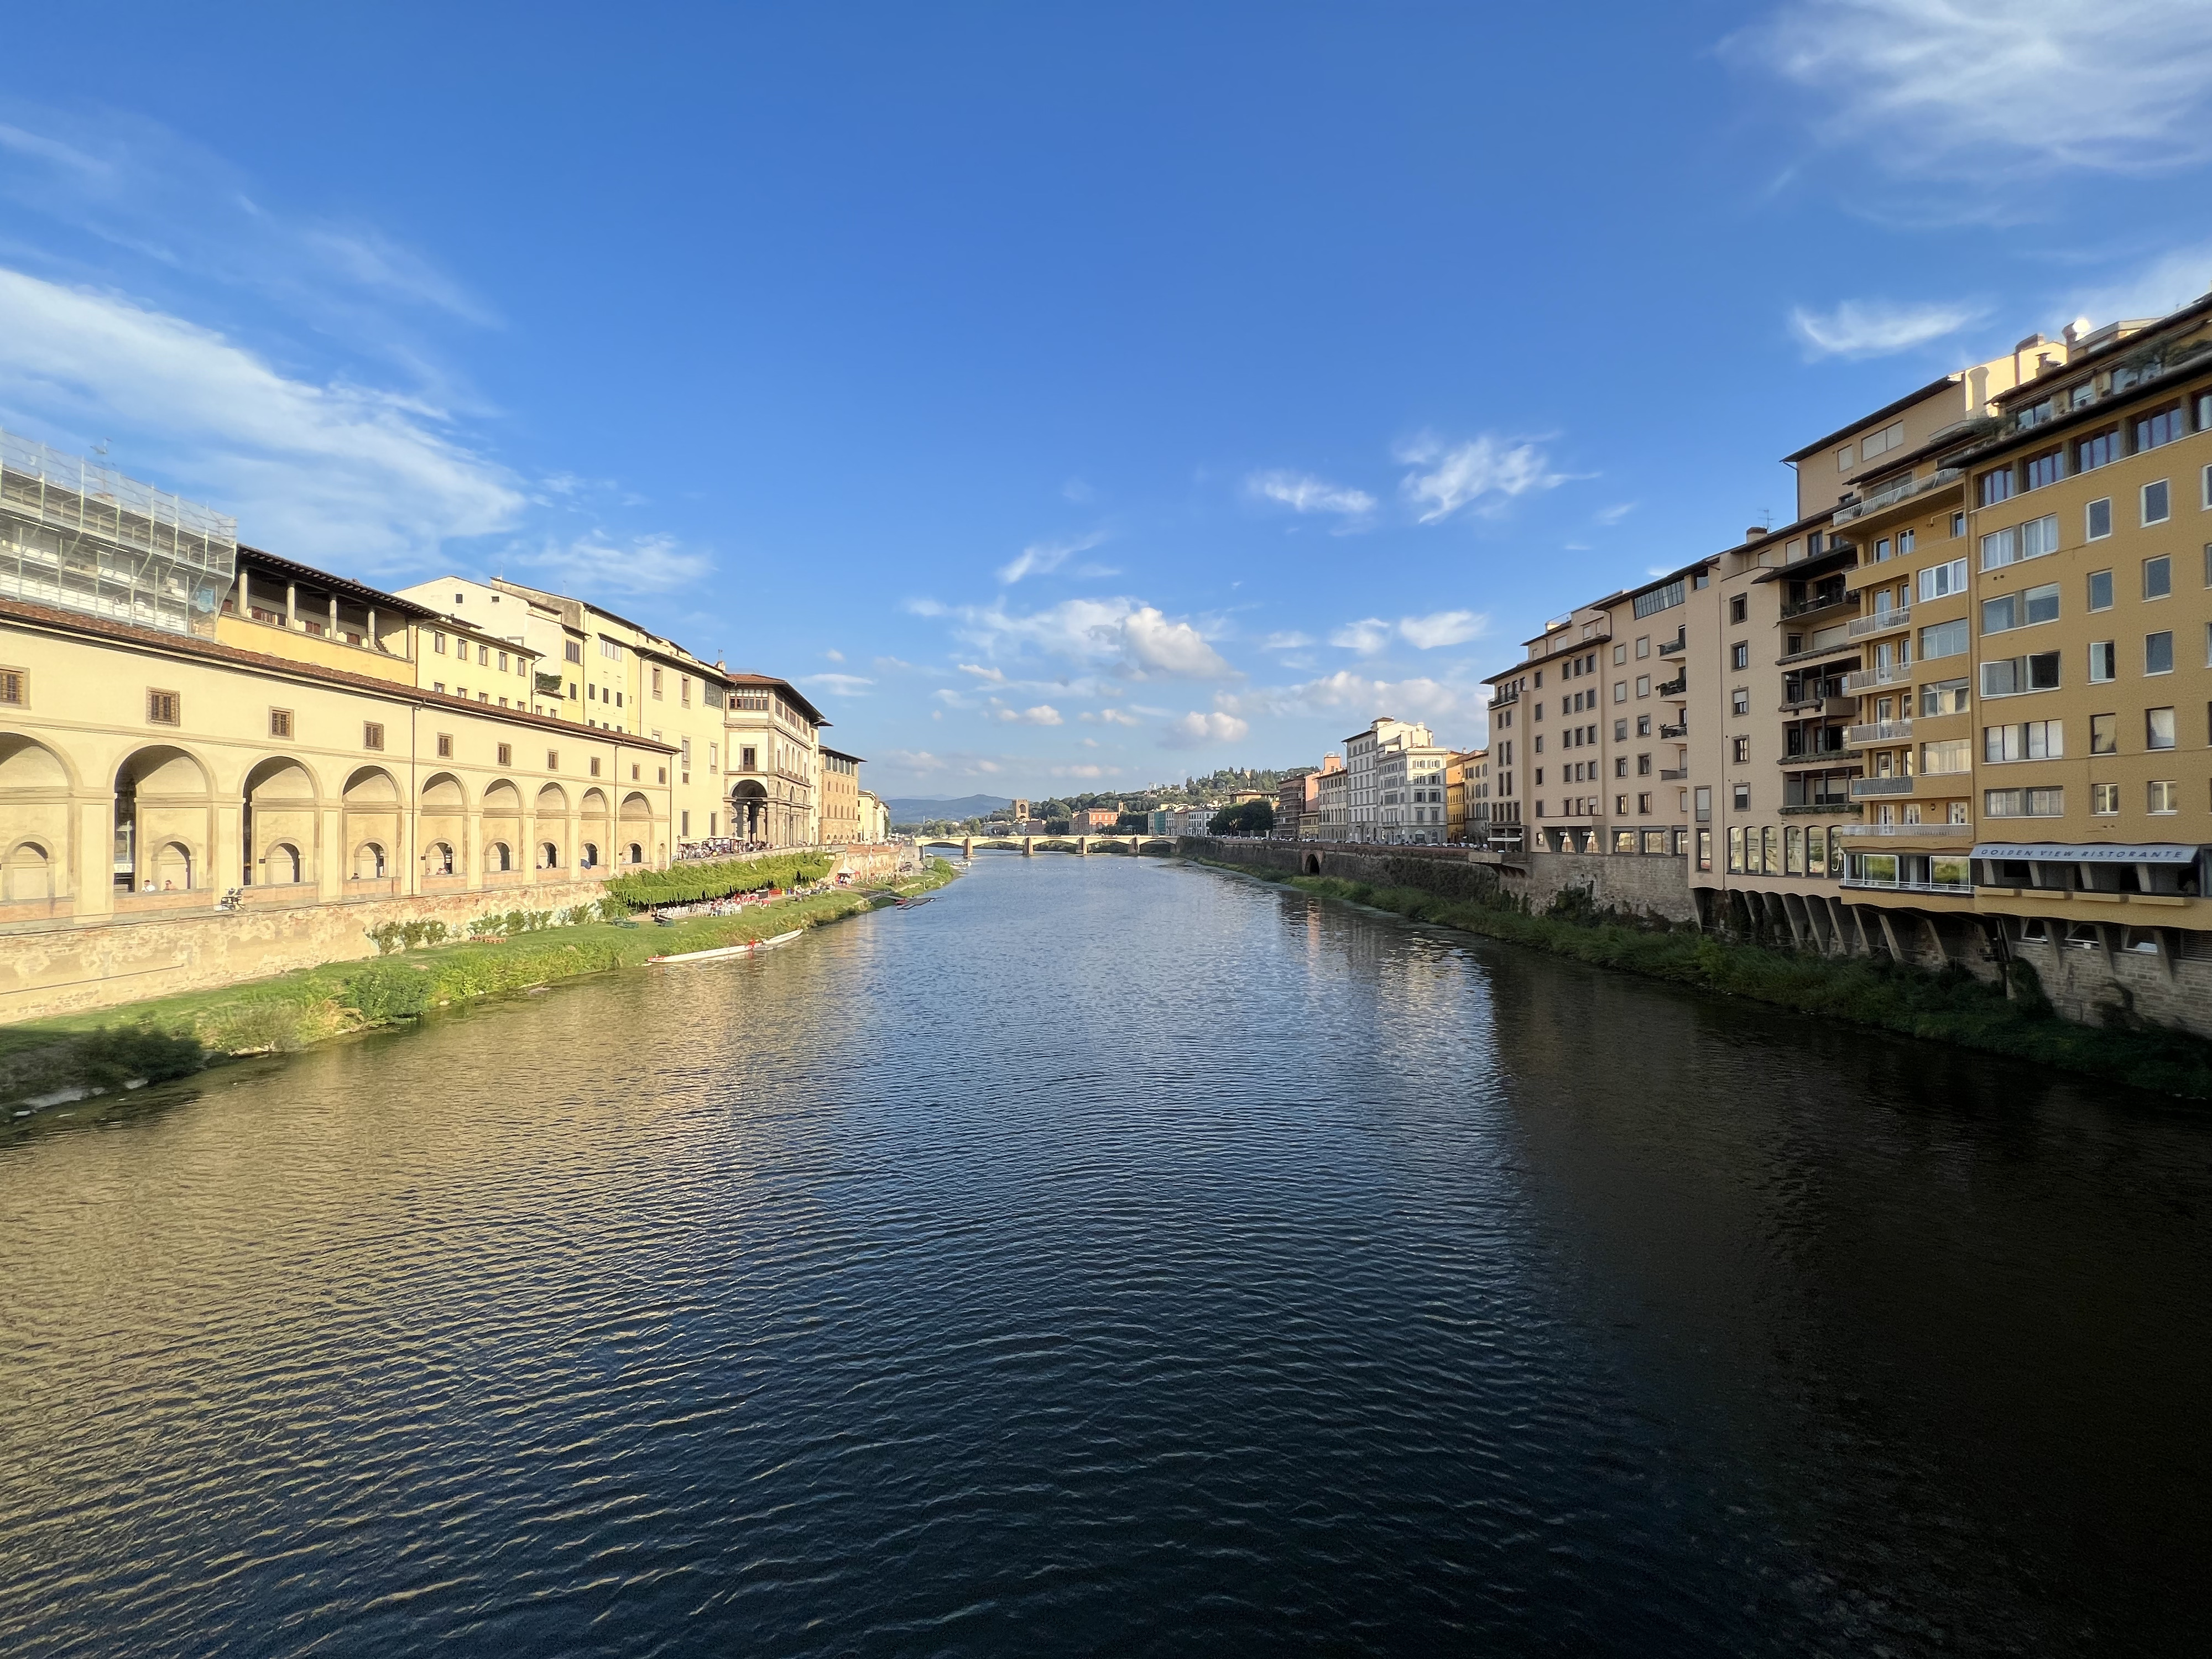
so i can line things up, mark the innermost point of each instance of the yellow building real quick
(1466, 797)
(773, 752)
(840, 798)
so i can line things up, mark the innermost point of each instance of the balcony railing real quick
(1673, 648)
(1818, 602)
(1837, 757)
(1499, 699)
(1941, 831)
(1881, 621)
(1673, 774)
(1833, 707)
(1675, 687)
(1881, 732)
(1681, 731)
(1958, 889)
(1904, 489)
(1863, 788)
(1860, 678)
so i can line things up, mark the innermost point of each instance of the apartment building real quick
(772, 752)
(1467, 798)
(1409, 781)
(1364, 753)
(840, 797)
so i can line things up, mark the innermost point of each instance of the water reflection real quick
(1109, 1258)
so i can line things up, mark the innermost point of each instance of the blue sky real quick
(1066, 399)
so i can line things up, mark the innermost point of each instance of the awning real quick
(2095, 853)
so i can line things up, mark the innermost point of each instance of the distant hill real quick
(922, 809)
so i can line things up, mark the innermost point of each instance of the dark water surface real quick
(1119, 1259)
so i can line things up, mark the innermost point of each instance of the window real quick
(2165, 797)
(1620, 654)
(2100, 449)
(2047, 468)
(1620, 690)
(163, 708)
(2097, 520)
(2033, 740)
(2032, 540)
(1642, 647)
(1643, 805)
(2158, 728)
(1844, 459)
(2014, 675)
(552, 759)
(1643, 726)
(2158, 653)
(1705, 801)
(2022, 610)
(1994, 486)
(2163, 427)
(1740, 655)
(2158, 578)
(595, 766)
(1735, 852)
(1944, 639)
(2104, 658)
(1741, 748)
(1940, 581)
(1958, 526)
(751, 762)
(280, 722)
(372, 734)
(2104, 734)
(663, 773)
(15, 687)
(2024, 803)
(506, 754)
(573, 650)
(1644, 685)
(445, 746)
(611, 649)
(1742, 797)
(1951, 755)
(2100, 590)
(1904, 542)
(483, 656)
(1943, 698)
(438, 642)
(656, 679)
(1644, 766)
(502, 662)
(1739, 608)
(2105, 800)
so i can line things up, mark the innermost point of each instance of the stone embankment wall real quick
(876, 861)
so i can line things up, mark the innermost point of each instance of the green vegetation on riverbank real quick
(1948, 1006)
(173, 1037)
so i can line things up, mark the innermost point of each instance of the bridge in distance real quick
(1026, 845)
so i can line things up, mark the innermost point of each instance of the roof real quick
(530, 592)
(1881, 414)
(294, 571)
(190, 644)
(2117, 346)
(857, 760)
(768, 681)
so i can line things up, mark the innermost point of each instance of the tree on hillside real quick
(1254, 818)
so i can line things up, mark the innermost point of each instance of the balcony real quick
(1881, 621)
(1501, 698)
(1808, 758)
(1673, 648)
(1955, 889)
(1819, 602)
(1681, 731)
(1673, 774)
(1834, 709)
(1904, 490)
(1675, 687)
(1880, 732)
(1861, 788)
(1842, 642)
(1940, 831)
(1862, 679)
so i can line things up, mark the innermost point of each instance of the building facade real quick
(840, 798)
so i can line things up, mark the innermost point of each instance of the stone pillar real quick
(92, 856)
(333, 855)
(227, 847)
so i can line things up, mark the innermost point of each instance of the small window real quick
(2103, 661)
(1643, 726)
(595, 766)
(2158, 578)
(1995, 486)
(1643, 686)
(1644, 646)
(163, 707)
(438, 642)
(483, 656)
(2158, 653)
(1743, 797)
(2157, 502)
(445, 746)
(1740, 655)
(506, 754)
(2165, 796)
(1739, 608)
(502, 662)
(1741, 748)
(1621, 690)
(663, 772)
(552, 759)
(15, 687)
(280, 722)
(633, 772)
(2100, 590)
(2104, 734)
(2158, 728)
(2105, 800)
(372, 734)
(2098, 521)
(1958, 526)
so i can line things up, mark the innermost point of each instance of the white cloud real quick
(1462, 475)
(591, 563)
(1441, 628)
(2167, 283)
(1346, 692)
(841, 686)
(1114, 717)
(338, 472)
(1615, 514)
(996, 677)
(1119, 636)
(1969, 87)
(1293, 640)
(1085, 770)
(833, 656)
(1040, 558)
(1875, 328)
(1042, 715)
(1366, 636)
(1196, 729)
(1303, 493)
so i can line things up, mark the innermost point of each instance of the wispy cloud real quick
(1040, 558)
(1487, 470)
(841, 686)
(1303, 493)
(2163, 284)
(1370, 635)
(336, 471)
(1345, 692)
(1110, 717)
(993, 676)
(1042, 715)
(1293, 640)
(1876, 328)
(593, 564)
(1120, 636)
(1992, 87)
(1610, 515)
(1195, 730)
(1366, 636)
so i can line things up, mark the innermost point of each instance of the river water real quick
(1119, 1258)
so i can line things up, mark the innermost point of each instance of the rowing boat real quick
(718, 954)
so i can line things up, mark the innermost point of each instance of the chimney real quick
(1754, 532)
(2029, 344)
(2077, 330)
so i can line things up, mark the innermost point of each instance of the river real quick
(1120, 1258)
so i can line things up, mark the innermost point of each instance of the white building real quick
(1409, 778)
(1363, 753)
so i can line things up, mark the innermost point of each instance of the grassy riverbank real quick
(1949, 1006)
(175, 1036)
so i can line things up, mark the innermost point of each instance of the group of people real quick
(719, 847)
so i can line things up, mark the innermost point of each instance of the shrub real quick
(689, 884)
(121, 1054)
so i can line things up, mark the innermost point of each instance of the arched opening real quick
(34, 804)
(282, 866)
(28, 873)
(161, 797)
(749, 811)
(172, 867)
(589, 858)
(438, 860)
(500, 825)
(278, 808)
(368, 861)
(499, 857)
(637, 853)
(1313, 864)
(374, 809)
(442, 825)
(548, 856)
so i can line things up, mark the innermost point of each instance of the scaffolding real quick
(82, 536)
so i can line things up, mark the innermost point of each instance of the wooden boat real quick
(721, 952)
